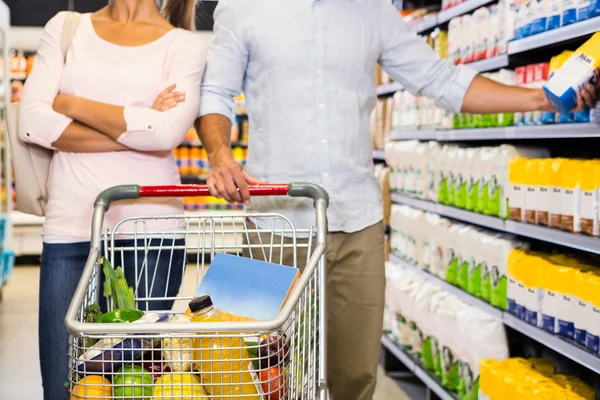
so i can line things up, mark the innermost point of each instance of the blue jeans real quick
(60, 270)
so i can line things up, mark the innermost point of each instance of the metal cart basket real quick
(164, 355)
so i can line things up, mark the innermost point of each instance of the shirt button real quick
(324, 141)
(149, 126)
(321, 106)
(319, 71)
(325, 175)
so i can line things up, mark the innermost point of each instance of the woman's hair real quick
(180, 13)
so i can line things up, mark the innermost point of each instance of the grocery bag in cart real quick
(200, 351)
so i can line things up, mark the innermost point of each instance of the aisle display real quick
(555, 192)
(475, 260)
(470, 178)
(557, 293)
(448, 337)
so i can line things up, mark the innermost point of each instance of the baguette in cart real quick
(197, 350)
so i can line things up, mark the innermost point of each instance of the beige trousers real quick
(355, 298)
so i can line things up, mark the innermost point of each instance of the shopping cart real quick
(168, 357)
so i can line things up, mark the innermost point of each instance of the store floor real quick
(19, 369)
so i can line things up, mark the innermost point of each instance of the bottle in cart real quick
(223, 361)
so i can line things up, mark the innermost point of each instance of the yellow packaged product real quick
(543, 366)
(570, 219)
(516, 188)
(555, 209)
(582, 314)
(575, 385)
(514, 266)
(588, 216)
(530, 189)
(223, 361)
(543, 191)
(528, 284)
(490, 381)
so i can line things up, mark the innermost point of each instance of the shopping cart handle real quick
(133, 192)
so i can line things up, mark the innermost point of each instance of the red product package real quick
(540, 73)
(520, 76)
(529, 74)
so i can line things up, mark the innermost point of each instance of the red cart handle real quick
(202, 190)
(133, 192)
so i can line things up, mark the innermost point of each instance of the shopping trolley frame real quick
(133, 192)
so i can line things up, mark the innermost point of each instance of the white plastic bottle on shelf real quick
(454, 40)
(467, 39)
(481, 28)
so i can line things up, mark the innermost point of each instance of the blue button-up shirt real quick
(307, 69)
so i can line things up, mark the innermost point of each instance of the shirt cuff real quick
(463, 77)
(138, 119)
(59, 125)
(212, 105)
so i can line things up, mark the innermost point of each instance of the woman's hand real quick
(168, 99)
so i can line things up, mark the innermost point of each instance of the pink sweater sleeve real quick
(38, 122)
(151, 130)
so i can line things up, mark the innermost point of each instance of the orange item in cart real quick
(92, 387)
(184, 157)
(195, 161)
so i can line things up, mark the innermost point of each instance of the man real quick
(307, 70)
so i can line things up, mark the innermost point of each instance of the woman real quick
(99, 111)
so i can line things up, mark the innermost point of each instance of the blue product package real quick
(548, 323)
(592, 342)
(580, 336)
(594, 10)
(583, 10)
(582, 116)
(566, 118)
(539, 19)
(548, 118)
(554, 19)
(569, 12)
(566, 329)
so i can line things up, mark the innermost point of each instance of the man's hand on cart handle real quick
(228, 180)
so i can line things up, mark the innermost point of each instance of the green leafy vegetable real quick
(92, 313)
(116, 287)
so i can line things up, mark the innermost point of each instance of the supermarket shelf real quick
(379, 155)
(456, 291)
(388, 89)
(566, 348)
(446, 15)
(451, 212)
(426, 24)
(556, 236)
(490, 64)
(555, 36)
(414, 367)
(575, 241)
(508, 133)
